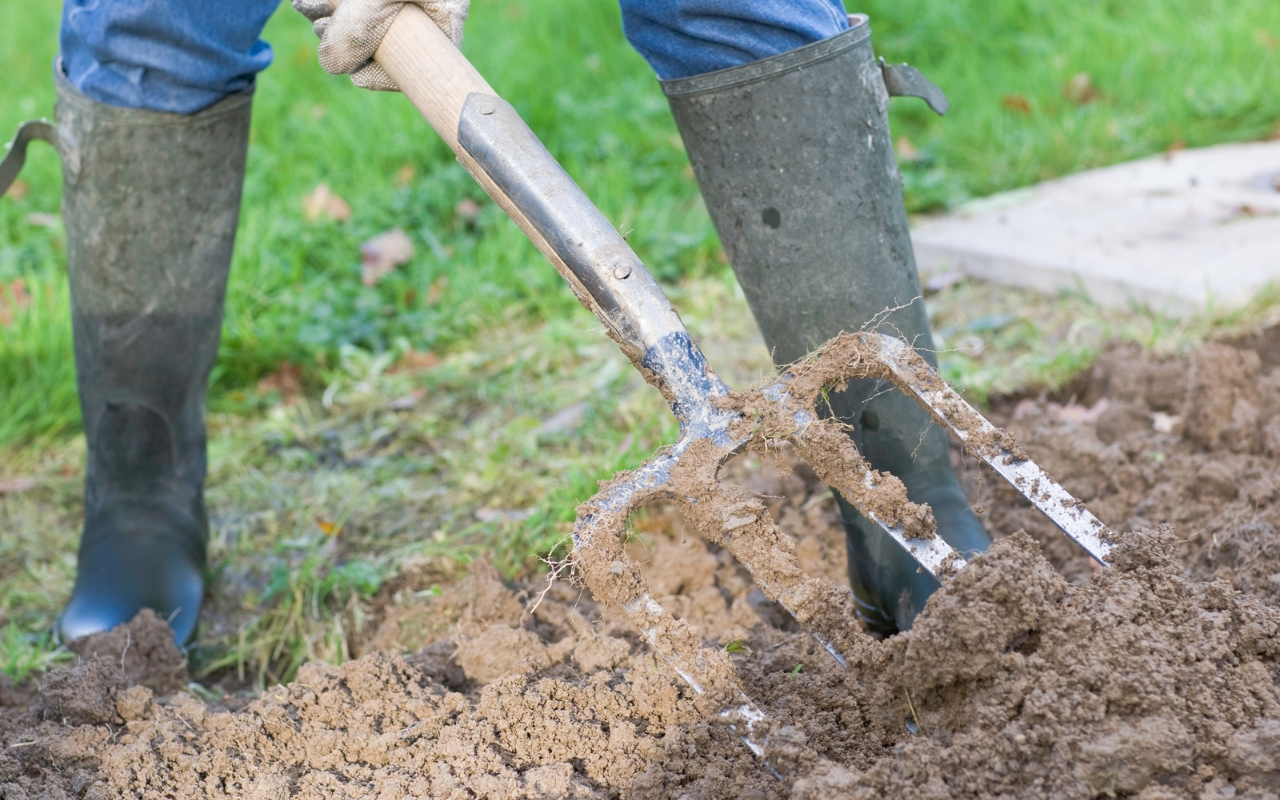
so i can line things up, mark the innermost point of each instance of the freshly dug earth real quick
(1026, 676)
(1194, 443)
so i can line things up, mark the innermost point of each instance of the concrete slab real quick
(1172, 232)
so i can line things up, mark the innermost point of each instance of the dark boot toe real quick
(889, 586)
(136, 558)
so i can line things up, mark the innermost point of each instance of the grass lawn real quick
(318, 499)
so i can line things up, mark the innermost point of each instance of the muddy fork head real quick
(506, 158)
(716, 424)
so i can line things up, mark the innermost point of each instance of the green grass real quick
(1165, 72)
(517, 349)
(1001, 341)
(23, 654)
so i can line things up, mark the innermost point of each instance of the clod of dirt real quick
(135, 703)
(1221, 398)
(11, 695)
(601, 652)
(437, 662)
(688, 569)
(143, 648)
(84, 694)
(421, 612)
(498, 650)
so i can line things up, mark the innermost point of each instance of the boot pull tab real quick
(16, 156)
(904, 80)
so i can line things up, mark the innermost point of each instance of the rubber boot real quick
(795, 162)
(150, 202)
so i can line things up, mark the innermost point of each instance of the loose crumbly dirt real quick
(1193, 442)
(1029, 675)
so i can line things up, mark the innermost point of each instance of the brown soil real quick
(1194, 443)
(1026, 676)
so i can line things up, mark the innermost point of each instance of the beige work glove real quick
(351, 33)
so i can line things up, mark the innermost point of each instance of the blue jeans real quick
(163, 55)
(184, 55)
(680, 38)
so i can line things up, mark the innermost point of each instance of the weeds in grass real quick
(307, 613)
(37, 366)
(1006, 341)
(23, 654)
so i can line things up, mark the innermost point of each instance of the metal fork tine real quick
(743, 526)
(909, 372)
(598, 537)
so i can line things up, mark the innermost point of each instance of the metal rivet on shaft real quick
(487, 109)
(622, 272)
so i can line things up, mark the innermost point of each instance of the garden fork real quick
(516, 170)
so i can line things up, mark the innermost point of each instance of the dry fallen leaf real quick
(285, 381)
(467, 209)
(415, 361)
(567, 419)
(380, 255)
(437, 290)
(328, 528)
(322, 202)
(1026, 408)
(13, 298)
(943, 281)
(624, 446)
(17, 189)
(1080, 89)
(906, 150)
(43, 220)
(1250, 210)
(1076, 414)
(503, 514)
(405, 176)
(1017, 103)
(16, 485)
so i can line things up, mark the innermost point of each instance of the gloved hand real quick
(351, 33)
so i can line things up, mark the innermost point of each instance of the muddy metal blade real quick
(909, 372)
(599, 557)
(857, 485)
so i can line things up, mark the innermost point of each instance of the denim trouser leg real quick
(184, 55)
(680, 38)
(163, 55)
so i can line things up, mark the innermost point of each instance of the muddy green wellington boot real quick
(150, 202)
(795, 162)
